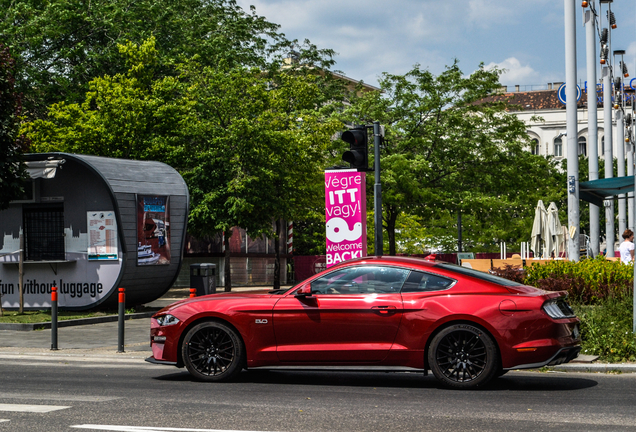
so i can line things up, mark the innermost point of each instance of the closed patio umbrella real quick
(538, 229)
(554, 237)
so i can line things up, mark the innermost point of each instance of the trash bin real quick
(203, 278)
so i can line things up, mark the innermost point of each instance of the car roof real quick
(390, 260)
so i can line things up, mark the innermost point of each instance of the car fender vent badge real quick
(261, 321)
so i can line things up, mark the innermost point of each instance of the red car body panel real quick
(344, 328)
(391, 329)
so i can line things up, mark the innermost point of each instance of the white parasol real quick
(538, 229)
(554, 238)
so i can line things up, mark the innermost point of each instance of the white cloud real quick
(515, 72)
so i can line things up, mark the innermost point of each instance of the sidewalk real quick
(97, 342)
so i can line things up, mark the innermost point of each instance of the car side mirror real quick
(304, 291)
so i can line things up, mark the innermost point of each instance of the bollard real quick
(193, 292)
(53, 318)
(122, 315)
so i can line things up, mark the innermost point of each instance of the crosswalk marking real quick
(149, 429)
(31, 408)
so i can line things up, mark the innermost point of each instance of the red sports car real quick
(466, 326)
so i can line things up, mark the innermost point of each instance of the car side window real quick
(423, 282)
(361, 280)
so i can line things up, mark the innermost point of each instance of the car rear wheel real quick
(463, 356)
(213, 351)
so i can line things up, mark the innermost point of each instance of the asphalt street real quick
(126, 394)
(88, 385)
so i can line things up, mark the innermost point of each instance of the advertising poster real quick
(102, 235)
(346, 215)
(153, 230)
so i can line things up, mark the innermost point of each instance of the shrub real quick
(589, 281)
(510, 272)
(606, 330)
(601, 293)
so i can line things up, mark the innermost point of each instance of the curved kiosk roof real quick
(90, 225)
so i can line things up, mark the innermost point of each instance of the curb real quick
(596, 367)
(72, 322)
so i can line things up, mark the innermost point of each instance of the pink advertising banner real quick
(346, 211)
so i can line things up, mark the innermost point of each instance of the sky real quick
(526, 38)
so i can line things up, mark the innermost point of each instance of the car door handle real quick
(384, 309)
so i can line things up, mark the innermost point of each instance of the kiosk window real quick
(43, 233)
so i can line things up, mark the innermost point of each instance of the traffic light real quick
(358, 153)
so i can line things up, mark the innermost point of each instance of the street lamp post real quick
(571, 128)
(606, 41)
(592, 121)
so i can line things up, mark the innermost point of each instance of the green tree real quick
(64, 44)
(250, 145)
(263, 161)
(448, 149)
(12, 173)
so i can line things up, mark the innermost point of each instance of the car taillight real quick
(558, 308)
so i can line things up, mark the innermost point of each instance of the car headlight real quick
(167, 320)
(558, 309)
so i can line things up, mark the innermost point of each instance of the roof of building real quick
(532, 100)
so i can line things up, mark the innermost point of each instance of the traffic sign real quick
(561, 93)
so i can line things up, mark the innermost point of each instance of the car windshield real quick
(478, 274)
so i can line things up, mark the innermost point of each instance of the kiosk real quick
(89, 225)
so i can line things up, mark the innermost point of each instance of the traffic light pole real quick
(377, 191)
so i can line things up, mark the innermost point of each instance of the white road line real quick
(31, 408)
(149, 429)
(4, 420)
(56, 397)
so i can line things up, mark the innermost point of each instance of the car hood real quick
(219, 296)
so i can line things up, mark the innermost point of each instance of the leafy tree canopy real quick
(12, 172)
(250, 145)
(64, 44)
(448, 151)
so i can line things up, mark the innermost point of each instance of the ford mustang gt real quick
(465, 326)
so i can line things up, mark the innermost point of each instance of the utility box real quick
(203, 278)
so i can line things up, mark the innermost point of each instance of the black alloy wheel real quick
(463, 356)
(213, 351)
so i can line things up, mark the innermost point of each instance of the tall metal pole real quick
(459, 231)
(610, 235)
(592, 122)
(571, 128)
(619, 104)
(377, 192)
(630, 168)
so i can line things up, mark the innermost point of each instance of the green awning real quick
(596, 191)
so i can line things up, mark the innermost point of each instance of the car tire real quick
(463, 356)
(213, 351)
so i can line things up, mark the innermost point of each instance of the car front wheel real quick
(463, 356)
(213, 351)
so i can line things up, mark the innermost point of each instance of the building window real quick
(535, 147)
(582, 146)
(558, 147)
(43, 233)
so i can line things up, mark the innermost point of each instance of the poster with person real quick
(153, 230)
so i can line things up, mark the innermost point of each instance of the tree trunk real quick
(228, 272)
(277, 255)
